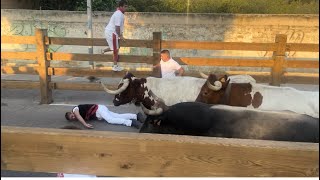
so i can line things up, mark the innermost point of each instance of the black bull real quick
(199, 119)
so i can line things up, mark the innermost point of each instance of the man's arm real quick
(79, 117)
(157, 65)
(118, 32)
(180, 71)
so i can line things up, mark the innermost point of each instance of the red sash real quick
(91, 111)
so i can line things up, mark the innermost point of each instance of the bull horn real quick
(151, 112)
(122, 88)
(203, 75)
(216, 87)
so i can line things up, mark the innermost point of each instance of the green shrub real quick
(193, 6)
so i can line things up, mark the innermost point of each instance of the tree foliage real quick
(78, 5)
(193, 6)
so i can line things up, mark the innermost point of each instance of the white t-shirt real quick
(117, 19)
(168, 68)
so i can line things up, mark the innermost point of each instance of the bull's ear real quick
(225, 84)
(228, 82)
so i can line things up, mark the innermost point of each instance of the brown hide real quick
(233, 94)
(240, 95)
(209, 96)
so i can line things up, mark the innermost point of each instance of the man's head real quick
(123, 5)
(165, 55)
(70, 116)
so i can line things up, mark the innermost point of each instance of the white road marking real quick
(64, 104)
(73, 78)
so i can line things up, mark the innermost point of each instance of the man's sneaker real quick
(116, 68)
(136, 123)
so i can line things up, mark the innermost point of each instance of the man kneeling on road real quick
(85, 112)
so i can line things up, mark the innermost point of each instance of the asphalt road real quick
(20, 107)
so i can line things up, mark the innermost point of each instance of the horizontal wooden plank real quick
(136, 43)
(19, 55)
(300, 78)
(301, 74)
(76, 41)
(19, 84)
(98, 57)
(302, 47)
(260, 77)
(106, 153)
(198, 61)
(218, 45)
(302, 64)
(248, 73)
(18, 40)
(81, 86)
(98, 42)
(288, 77)
(19, 70)
(95, 72)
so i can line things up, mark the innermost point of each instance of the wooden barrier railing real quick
(106, 153)
(277, 64)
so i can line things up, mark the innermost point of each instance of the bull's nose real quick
(116, 103)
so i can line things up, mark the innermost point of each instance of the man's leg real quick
(107, 115)
(115, 44)
(105, 50)
(109, 42)
(124, 116)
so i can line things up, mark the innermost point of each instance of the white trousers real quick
(75, 175)
(112, 40)
(114, 118)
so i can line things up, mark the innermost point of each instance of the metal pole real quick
(89, 25)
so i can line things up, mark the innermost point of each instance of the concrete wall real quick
(193, 27)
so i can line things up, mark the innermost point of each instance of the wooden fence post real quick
(278, 58)
(44, 78)
(156, 53)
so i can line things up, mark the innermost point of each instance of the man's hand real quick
(88, 125)
(156, 66)
(121, 38)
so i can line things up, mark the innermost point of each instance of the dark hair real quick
(122, 3)
(165, 51)
(67, 115)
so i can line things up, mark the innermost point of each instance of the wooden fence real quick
(277, 64)
(106, 153)
(134, 154)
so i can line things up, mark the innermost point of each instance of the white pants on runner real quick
(113, 43)
(75, 175)
(111, 40)
(114, 118)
